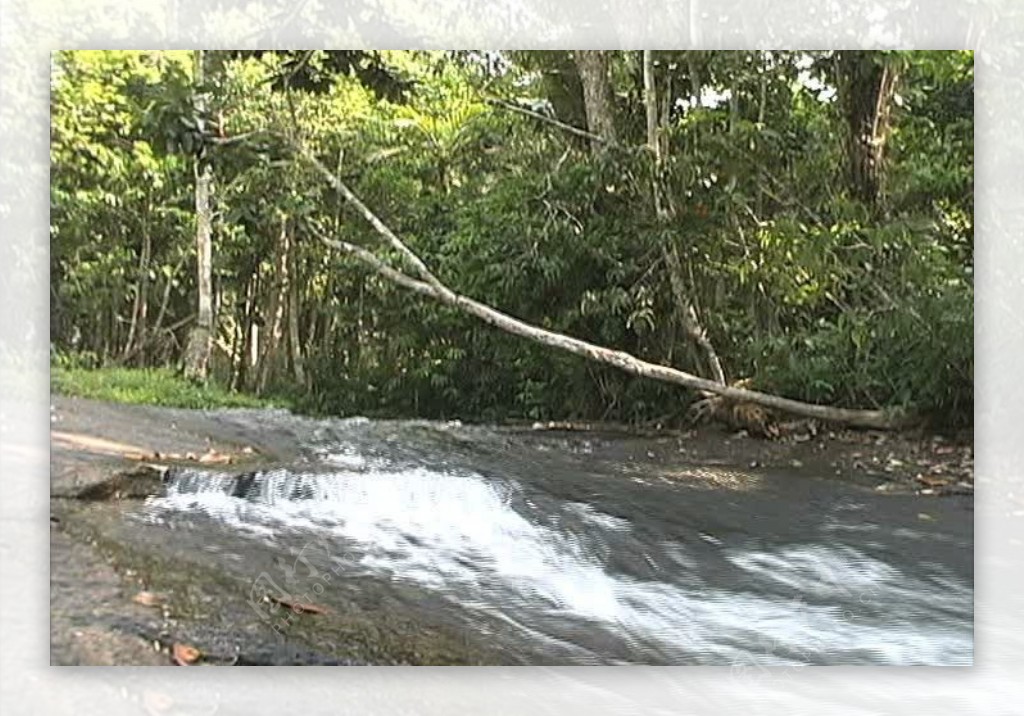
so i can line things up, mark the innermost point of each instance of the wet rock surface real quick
(354, 541)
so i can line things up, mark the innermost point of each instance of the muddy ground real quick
(111, 605)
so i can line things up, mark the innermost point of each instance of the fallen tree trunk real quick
(428, 285)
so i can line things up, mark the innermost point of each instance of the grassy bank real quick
(149, 386)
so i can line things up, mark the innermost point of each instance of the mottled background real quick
(31, 29)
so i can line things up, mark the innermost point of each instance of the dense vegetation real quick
(810, 212)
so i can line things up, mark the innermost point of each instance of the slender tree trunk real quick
(143, 320)
(253, 349)
(688, 315)
(254, 355)
(269, 357)
(696, 83)
(651, 103)
(294, 343)
(598, 100)
(237, 350)
(111, 321)
(165, 300)
(686, 312)
(200, 341)
(141, 303)
(238, 380)
(867, 85)
(762, 102)
(313, 323)
(664, 102)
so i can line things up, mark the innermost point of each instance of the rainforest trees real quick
(800, 221)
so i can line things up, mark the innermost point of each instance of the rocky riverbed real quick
(258, 537)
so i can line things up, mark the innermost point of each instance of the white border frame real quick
(31, 29)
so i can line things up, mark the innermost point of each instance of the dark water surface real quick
(579, 550)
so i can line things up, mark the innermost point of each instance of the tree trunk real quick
(200, 340)
(166, 299)
(651, 104)
(137, 330)
(867, 85)
(253, 356)
(240, 377)
(294, 343)
(592, 66)
(693, 71)
(429, 285)
(686, 312)
(269, 357)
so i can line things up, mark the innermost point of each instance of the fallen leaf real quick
(148, 599)
(185, 655)
(298, 607)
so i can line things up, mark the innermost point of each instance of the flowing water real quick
(584, 549)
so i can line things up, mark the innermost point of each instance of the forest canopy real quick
(798, 221)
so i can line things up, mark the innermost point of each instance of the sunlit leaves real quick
(798, 283)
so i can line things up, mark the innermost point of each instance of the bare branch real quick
(382, 229)
(624, 361)
(494, 101)
(381, 267)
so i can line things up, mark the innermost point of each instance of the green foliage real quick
(800, 285)
(916, 357)
(147, 386)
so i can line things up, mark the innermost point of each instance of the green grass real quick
(148, 386)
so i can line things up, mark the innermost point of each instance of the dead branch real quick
(512, 107)
(876, 419)
(421, 268)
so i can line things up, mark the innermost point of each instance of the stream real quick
(573, 549)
